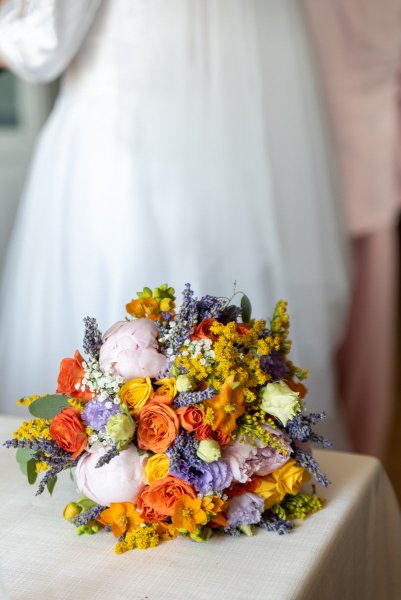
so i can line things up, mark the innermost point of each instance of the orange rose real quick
(190, 417)
(157, 428)
(71, 375)
(297, 386)
(68, 431)
(202, 330)
(160, 497)
(205, 432)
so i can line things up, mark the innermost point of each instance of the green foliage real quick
(48, 407)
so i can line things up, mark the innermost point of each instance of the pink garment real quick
(358, 45)
(366, 359)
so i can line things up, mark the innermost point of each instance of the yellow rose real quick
(156, 467)
(284, 480)
(134, 393)
(166, 387)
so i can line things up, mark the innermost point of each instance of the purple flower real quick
(245, 510)
(216, 477)
(274, 364)
(96, 413)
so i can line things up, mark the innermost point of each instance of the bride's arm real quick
(39, 38)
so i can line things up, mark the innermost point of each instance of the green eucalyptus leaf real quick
(24, 468)
(246, 308)
(48, 407)
(23, 455)
(51, 484)
(31, 471)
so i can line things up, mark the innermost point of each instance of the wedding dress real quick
(186, 145)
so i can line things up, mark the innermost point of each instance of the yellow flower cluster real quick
(279, 326)
(194, 367)
(76, 403)
(238, 352)
(27, 401)
(33, 430)
(41, 466)
(251, 429)
(145, 536)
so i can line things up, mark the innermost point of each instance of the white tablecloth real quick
(349, 550)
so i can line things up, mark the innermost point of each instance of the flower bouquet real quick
(180, 422)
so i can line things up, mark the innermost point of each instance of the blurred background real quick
(352, 53)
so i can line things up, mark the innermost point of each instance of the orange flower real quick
(190, 417)
(287, 479)
(214, 507)
(188, 514)
(205, 432)
(297, 386)
(68, 431)
(202, 330)
(122, 516)
(160, 497)
(157, 428)
(70, 376)
(144, 307)
(227, 406)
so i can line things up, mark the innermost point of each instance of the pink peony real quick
(245, 460)
(121, 480)
(130, 350)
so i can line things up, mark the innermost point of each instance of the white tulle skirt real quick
(206, 162)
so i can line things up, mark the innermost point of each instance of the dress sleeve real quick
(39, 38)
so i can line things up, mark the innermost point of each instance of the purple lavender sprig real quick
(190, 398)
(107, 457)
(211, 307)
(272, 522)
(46, 451)
(300, 428)
(306, 460)
(87, 516)
(185, 321)
(92, 338)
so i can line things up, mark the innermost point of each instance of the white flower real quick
(280, 401)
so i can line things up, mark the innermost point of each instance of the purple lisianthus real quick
(245, 510)
(96, 413)
(216, 477)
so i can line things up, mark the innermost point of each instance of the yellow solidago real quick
(33, 430)
(41, 466)
(194, 367)
(251, 430)
(27, 400)
(76, 403)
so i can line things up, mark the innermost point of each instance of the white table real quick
(349, 550)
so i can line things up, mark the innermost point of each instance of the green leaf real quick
(85, 503)
(24, 468)
(246, 308)
(48, 407)
(31, 471)
(51, 484)
(23, 455)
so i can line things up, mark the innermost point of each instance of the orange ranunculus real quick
(227, 406)
(159, 497)
(157, 428)
(70, 377)
(122, 516)
(297, 386)
(190, 417)
(68, 431)
(188, 514)
(205, 432)
(202, 330)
